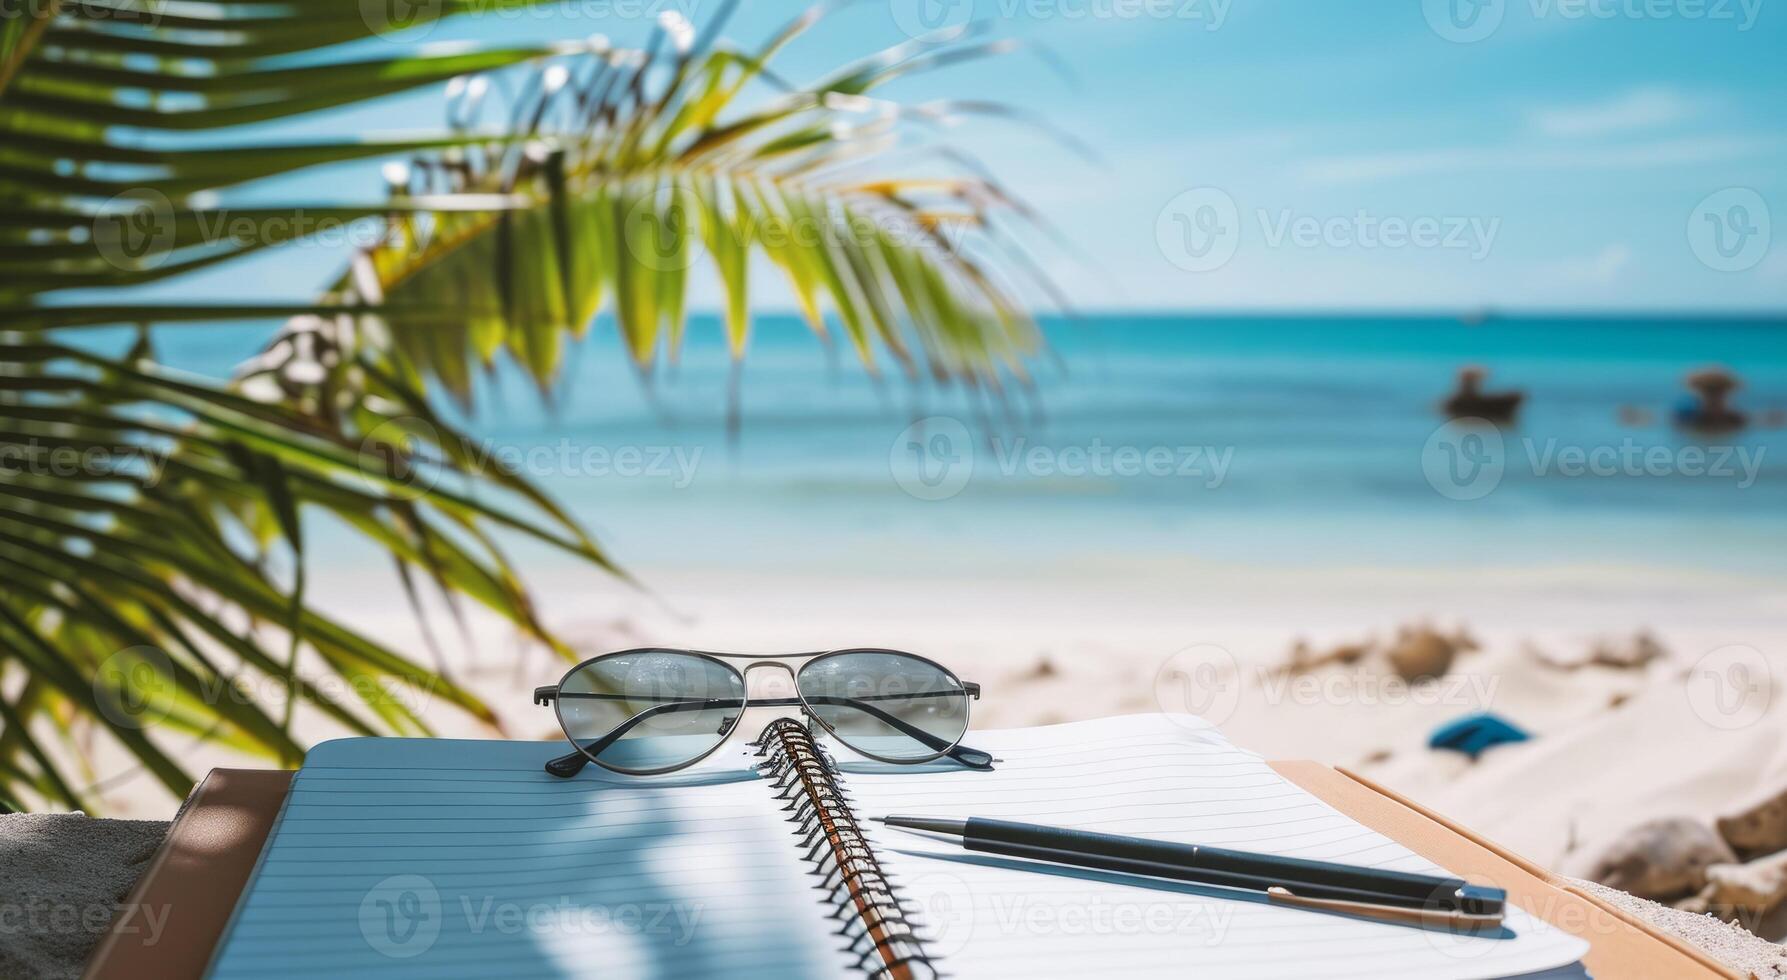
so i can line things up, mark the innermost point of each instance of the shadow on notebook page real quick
(429, 858)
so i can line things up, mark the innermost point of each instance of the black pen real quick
(1393, 895)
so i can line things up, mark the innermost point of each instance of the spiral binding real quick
(873, 920)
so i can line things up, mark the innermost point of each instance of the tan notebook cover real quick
(216, 839)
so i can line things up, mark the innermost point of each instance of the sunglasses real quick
(651, 710)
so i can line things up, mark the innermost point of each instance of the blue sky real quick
(1551, 154)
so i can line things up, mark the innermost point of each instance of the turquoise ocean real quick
(1268, 440)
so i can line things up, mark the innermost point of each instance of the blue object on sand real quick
(1474, 734)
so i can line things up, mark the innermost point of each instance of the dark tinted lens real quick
(885, 704)
(647, 710)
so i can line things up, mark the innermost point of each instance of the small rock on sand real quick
(1660, 859)
(1758, 829)
(1752, 889)
(1306, 658)
(1421, 652)
(1629, 654)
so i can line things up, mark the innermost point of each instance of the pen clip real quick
(1390, 913)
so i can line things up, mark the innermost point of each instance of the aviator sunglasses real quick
(653, 710)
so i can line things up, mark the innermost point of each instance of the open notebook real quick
(442, 858)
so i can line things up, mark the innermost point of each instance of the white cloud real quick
(1639, 108)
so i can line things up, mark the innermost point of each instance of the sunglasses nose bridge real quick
(775, 685)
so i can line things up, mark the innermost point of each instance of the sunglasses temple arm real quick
(566, 766)
(972, 758)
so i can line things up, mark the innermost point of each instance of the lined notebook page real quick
(444, 858)
(1169, 778)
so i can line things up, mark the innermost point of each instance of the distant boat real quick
(1469, 400)
(1476, 317)
(1707, 408)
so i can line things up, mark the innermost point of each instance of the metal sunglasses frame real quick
(570, 765)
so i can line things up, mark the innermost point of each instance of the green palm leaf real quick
(161, 580)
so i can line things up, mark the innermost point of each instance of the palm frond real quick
(569, 181)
